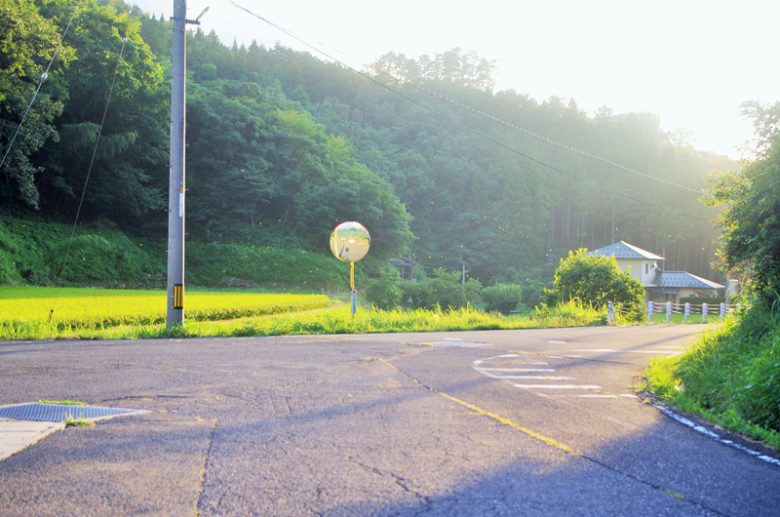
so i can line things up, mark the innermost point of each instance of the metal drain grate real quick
(60, 412)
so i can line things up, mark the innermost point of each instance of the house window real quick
(647, 268)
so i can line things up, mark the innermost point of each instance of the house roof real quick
(683, 279)
(624, 250)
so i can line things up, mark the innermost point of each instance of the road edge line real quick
(712, 435)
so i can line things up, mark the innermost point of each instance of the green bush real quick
(533, 291)
(503, 298)
(386, 292)
(595, 280)
(444, 290)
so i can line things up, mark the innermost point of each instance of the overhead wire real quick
(481, 135)
(94, 154)
(43, 78)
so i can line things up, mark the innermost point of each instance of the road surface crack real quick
(203, 466)
(399, 480)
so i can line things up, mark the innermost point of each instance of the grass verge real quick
(78, 422)
(730, 377)
(331, 320)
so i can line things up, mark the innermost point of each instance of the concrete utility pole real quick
(176, 189)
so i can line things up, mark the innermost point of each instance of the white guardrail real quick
(670, 308)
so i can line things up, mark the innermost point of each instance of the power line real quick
(481, 135)
(44, 75)
(94, 154)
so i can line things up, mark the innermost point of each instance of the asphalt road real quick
(534, 422)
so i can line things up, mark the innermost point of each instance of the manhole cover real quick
(60, 412)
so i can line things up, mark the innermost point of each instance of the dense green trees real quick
(282, 146)
(126, 181)
(751, 220)
(28, 41)
(731, 377)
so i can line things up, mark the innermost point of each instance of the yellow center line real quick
(494, 416)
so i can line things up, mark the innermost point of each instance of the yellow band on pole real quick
(178, 296)
(352, 275)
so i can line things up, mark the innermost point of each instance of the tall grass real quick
(568, 314)
(51, 313)
(731, 376)
(338, 320)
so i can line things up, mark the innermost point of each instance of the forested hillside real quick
(282, 146)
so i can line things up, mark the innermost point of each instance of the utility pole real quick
(176, 188)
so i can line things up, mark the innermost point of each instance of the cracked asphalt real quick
(532, 422)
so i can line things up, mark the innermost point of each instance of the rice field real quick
(49, 312)
(36, 313)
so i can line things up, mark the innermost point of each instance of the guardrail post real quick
(650, 311)
(722, 311)
(704, 313)
(687, 312)
(610, 314)
(668, 312)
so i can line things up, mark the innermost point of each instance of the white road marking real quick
(534, 377)
(559, 386)
(455, 344)
(556, 342)
(505, 355)
(715, 436)
(594, 396)
(629, 396)
(526, 370)
(600, 350)
(613, 351)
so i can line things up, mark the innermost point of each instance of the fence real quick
(669, 312)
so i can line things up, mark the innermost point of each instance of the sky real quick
(691, 62)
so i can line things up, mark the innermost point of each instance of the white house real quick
(660, 285)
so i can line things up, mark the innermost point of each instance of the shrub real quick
(386, 292)
(533, 291)
(443, 290)
(503, 298)
(594, 281)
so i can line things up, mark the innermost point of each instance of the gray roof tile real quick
(686, 280)
(624, 250)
